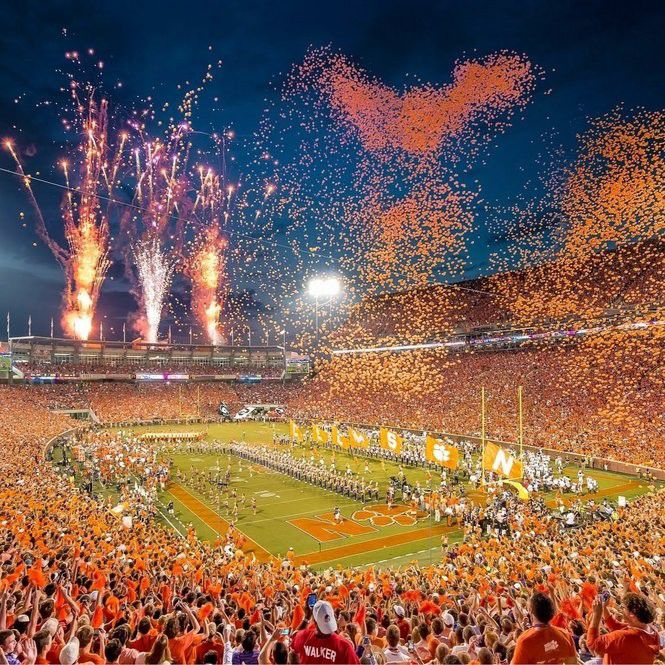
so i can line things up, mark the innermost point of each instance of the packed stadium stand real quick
(80, 585)
(599, 288)
(83, 583)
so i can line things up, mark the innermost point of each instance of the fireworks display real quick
(206, 270)
(90, 181)
(154, 223)
(350, 176)
(154, 271)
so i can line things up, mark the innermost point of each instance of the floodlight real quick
(323, 287)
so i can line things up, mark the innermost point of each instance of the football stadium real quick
(312, 377)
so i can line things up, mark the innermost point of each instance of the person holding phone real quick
(633, 640)
(364, 651)
(249, 654)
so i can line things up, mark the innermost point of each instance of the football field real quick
(293, 513)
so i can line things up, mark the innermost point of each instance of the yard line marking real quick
(405, 556)
(343, 551)
(200, 509)
(173, 526)
(179, 503)
(175, 517)
(308, 498)
(180, 500)
(286, 518)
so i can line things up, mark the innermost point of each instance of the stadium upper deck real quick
(610, 287)
(47, 357)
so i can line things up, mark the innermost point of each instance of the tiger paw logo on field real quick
(381, 515)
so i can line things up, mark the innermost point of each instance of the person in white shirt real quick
(395, 652)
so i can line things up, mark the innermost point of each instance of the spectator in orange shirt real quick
(146, 636)
(634, 640)
(373, 632)
(180, 641)
(159, 653)
(544, 643)
(213, 642)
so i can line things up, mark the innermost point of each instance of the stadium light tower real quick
(326, 287)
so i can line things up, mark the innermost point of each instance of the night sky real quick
(595, 55)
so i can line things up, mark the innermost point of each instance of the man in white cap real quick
(322, 645)
(53, 628)
(448, 627)
(403, 625)
(69, 654)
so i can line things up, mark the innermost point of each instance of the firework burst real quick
(90, 180)
(207, 267)
(155, 270)
(156, 230)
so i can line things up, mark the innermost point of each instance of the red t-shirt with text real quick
(323, 649)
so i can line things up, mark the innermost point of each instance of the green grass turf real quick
(281, 498)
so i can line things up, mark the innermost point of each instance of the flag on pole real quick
(51, 326)
(501, 461)
(357, 439)
(7, 326)
(319, 434)
(29, 325)
(389, 440)
(338, 439)
(439, 452)
(295, 432)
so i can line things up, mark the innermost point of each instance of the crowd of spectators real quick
(629, 277)
(602, 396)
(78, 585)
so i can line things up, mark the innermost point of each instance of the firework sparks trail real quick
(207, 268)
(160, 192)
(207, 273)
(155, 271)
(85, 261)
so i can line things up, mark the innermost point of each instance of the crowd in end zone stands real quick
(78, 585)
